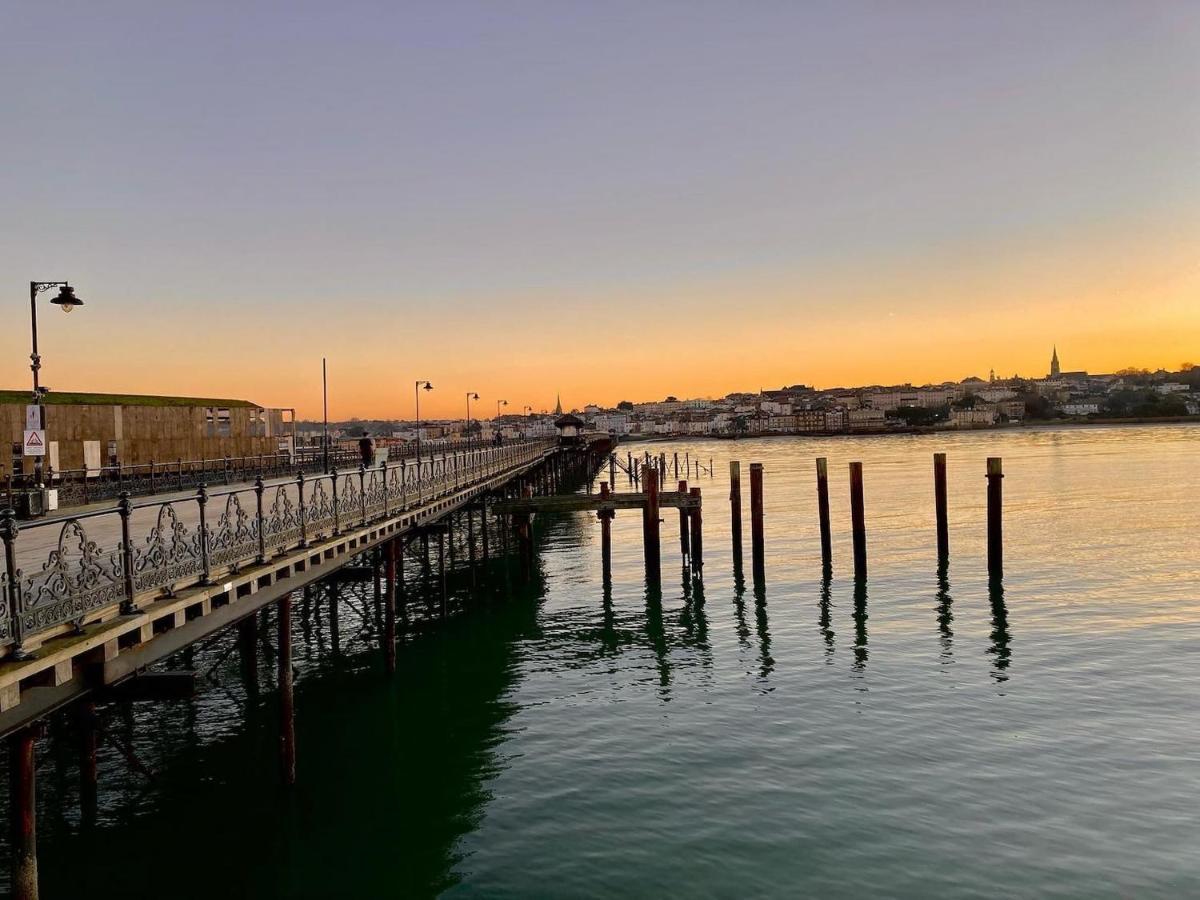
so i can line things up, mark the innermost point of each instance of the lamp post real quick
(417, 394)
(325, 414)
(499, 403)
(471, 395)
(66, 301)
(526, 411)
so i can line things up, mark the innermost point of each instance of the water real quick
(933, 739)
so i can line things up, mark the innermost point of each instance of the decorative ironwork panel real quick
(235, 538)
(395, 488)
(77, 578)
(349, 498)
(319, 509)
(375, 494)
(282, 525)
(7, 635)
(171, 554)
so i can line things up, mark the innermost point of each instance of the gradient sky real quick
(618, 200)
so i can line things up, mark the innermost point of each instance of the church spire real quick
(558, 404)
(1055, 370)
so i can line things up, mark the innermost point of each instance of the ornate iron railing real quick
(70, 570)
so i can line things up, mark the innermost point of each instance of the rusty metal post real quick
(22, 814)
(823, 513)
(939, 502)
(995, 516)
(650, 524)
(757, 542)
(696, 522)
(735, 510)
(858, 520)
(389, 609)
(287, 701)
(684, 545)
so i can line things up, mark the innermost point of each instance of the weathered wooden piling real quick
(85, 719)
(248, 650)
(22, 815)
(605, 516)
(524, 539)
(697, 536)
(757, 543)
(995, 516)
(939, 502)
(735, 510)
(858, 520)
(823, 513)
(684, 546)
(389, 607)
(650, 525)
(287, 705)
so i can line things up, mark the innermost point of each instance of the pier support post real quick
(287, 705)
(939, 502)
(525, 539)
(650, 524)
(22, 814)
(389, 608)
(85, 718)
(757, 548)
(605, 516)
(995, 516)
(248, 650)
(684, 546)
(823, 514)
(735, 510)
(696, 523)
(443, 533)
(858, 520)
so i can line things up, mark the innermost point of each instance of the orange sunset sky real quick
(611, 203)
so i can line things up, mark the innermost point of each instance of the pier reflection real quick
(739, 605)
(945, 615)
(766, 661)
(825, 621)
(860, 624)
(999, 650)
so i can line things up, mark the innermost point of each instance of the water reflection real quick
(657, 633)
(1000, 651)
(860, 624)
(945, 616)
(739, 607)
(825, 620)
(766, 661)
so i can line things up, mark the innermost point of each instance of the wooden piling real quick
(248, 650)
(287, 707)
(606, 517)
(735, 510)
(939, 502)
(858, 520)
(757, 544)
(696, 522)
(684, 548)
(85, 718)
(389, 608)
(995, 516)
(525, 539)
(823, 513)
(650, 525)
(22, 815)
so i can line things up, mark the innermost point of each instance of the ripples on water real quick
(924, 737)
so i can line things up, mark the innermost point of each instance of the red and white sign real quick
(35, 442)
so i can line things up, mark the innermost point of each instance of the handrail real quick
(195, 539)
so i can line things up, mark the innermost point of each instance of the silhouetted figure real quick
(366, 449)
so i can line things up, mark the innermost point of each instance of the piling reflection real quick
(739, 607)
(860, 624)
(999, 650)
(945, 615)
(825, 620)
(656, 633)
(766, 661)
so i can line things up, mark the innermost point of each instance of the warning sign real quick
(35, 442)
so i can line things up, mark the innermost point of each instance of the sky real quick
(616, 200)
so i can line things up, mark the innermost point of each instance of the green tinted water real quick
(931, 740)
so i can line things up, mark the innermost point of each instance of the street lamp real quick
(66, 301)
(417, 394)
(471, 395)
(499, 403)
(527, 411)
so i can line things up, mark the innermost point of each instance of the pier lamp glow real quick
(421, 385)
(66, 301)
(471, 395)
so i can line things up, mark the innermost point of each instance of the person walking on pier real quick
(366, 449)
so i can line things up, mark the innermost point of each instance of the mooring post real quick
(287, 707)
(688, 461)
(697, 555)
(757, 548)
(605, 516)
(683, 525)
(858, 520)
(939, 502)
(22, 814)
(823, 513)
(650, 523)
(389, 608)
(612, 470)
(735, 510)
(995, 514)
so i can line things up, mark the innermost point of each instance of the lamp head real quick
(66, 299)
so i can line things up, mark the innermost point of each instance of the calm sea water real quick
(932, 739)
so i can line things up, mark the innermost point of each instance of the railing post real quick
(125, 508)
(259, 488)
(227, 470)
(362, 493)
(12, 594)
(337, 525)
(202, 501)
(303, 511)
(403, 485)
(151, 476)
(384, 474)
(180, 465)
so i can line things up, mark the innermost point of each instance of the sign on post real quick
(33, 417)
(35, 442)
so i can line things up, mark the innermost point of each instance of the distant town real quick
(974, 402)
